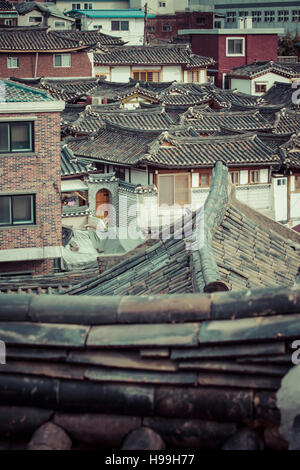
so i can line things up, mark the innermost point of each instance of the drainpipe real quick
(36, 64)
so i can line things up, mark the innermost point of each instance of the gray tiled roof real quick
(47, 7)
(6, 6)
(15, 92)
(266, 259)
(254, 69)
(287, 122)
(149, 55)
(70, 165)
(36, 39)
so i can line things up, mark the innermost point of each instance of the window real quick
(17, 210)
(243, 13)
(256, 16)
(174, 189)
(62, 60)
(59, 24)
(16, 136)
(235, 177)
(12, 62)
(270, 16)
(8, 22)
(235, 46)
(76, 6)
(166, 27)
(297, 183)
(254, 176)
(200, 20)
(283, 15)
(120, 25)
(217, 24)
(146, 76)
(194, 76)
(151, 28)
(88, 6)
(203, 179)
(295, 15)
(119, 172)
(34, 19)
(230, 17)
(281, 182)
(260, 87)
(162, 4)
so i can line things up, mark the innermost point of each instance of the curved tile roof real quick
(148, 55)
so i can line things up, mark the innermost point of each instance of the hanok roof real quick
(281, 94)
(147, 120)
(239, 248)
(149, 55)
(50, 8)
(92, 37)
(291, 70)
(215, 121)
(114, 145)
(15, 92)
(70, 165)
(194, 368)
(195, 152)
(287, 122)
(6, 6)
(27, 40)
(69, 90)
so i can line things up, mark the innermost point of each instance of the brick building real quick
(47, 53)
(166, 27)
(233, 48)
(30, 203)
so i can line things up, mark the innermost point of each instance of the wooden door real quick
(102, 201)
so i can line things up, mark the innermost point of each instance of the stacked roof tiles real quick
(102, 367)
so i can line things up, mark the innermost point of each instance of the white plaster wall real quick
(244, 86)
(295, 206)
(171, 72)
(23, 20)
(66, 5)
(257, 196)
(120, 74)
(134, 36)
(198, 197)
(270, 79)
(139, 177)
(244, 177)
(153, 6)
(279, 199)
(264, 175)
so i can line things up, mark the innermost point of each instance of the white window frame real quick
(61, 66)
(9, 58)
(237, 54)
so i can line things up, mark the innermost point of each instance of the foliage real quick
(287, 44)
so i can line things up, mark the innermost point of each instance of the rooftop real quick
(12, 92)
(124, 13)
(154, 54)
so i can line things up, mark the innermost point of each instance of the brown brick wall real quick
(37, 266)
(80, 66)
(38, 172)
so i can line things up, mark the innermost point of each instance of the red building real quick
(38, 52)
(233, 48)
(166, 27)
(30, 198)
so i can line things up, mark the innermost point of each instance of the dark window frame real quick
(31, 137)
(11, 211)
